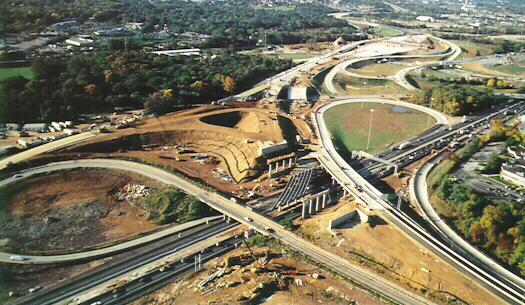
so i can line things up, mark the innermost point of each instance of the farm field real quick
(387, 32)
(349, 125)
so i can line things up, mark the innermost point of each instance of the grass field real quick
(476, 67)
(378, 69)
(473, 48)
(10, 72)
(387, 32)
(349, 126)
(518, 68)
(296, 55)
(351, 85)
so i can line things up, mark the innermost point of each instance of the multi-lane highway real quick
(259, 222)
(506, 289)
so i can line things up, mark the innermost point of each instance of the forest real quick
(228, 22)
(455, 99)
(63, 88)
(495, 227)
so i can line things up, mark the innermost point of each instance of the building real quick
(38, 127)
(425, 18)
(134, 25)
(80, 41)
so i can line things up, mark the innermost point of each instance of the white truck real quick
(404, 145)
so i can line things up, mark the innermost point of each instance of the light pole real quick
(370, 129)
(364, 84)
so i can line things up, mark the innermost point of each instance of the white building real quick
(80, 41)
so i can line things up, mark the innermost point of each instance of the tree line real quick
(455, 99)
(63, 88)
(496, 227)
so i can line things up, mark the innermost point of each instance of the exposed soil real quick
(244, 286)
(384, 249)
(70, 210)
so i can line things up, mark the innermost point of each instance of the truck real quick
(404, 145)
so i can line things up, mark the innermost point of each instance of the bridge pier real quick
(270, 170)
(311, 207)
(324, 201)
(303, 214)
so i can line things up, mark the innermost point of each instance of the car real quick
(18, 176)
(145, 279)
(248, 218)
(96, 303)
(18, 258)
(205, 250)
(118, 295)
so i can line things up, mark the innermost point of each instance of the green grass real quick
(349, 126)
(378, 69)
(483, 49)
(514, 69)
(355, 86)
(387, 32)
(6, 73)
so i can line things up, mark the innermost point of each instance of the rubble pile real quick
(133, 191)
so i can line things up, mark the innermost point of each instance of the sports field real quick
(349, 125)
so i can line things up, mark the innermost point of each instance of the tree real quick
(491, 82)
(229, 84)
(288, 223)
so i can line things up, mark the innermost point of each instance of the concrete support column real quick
(303, 214)
(324, 201)
(277, 166)
(270, 170)
(311, 207)
(317, 204)
(344, 193)
(290, 162)
(284, 163)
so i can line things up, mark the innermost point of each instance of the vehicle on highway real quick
(205, 250)
(34, 289)
(18, 258)
(185, 259)
(96, 303)
(145, 279)
(268, 229)
(248, 218)
(18, 176)
(118, 295)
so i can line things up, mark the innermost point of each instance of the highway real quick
(371, 197)
(259, 222)
(98, 279)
